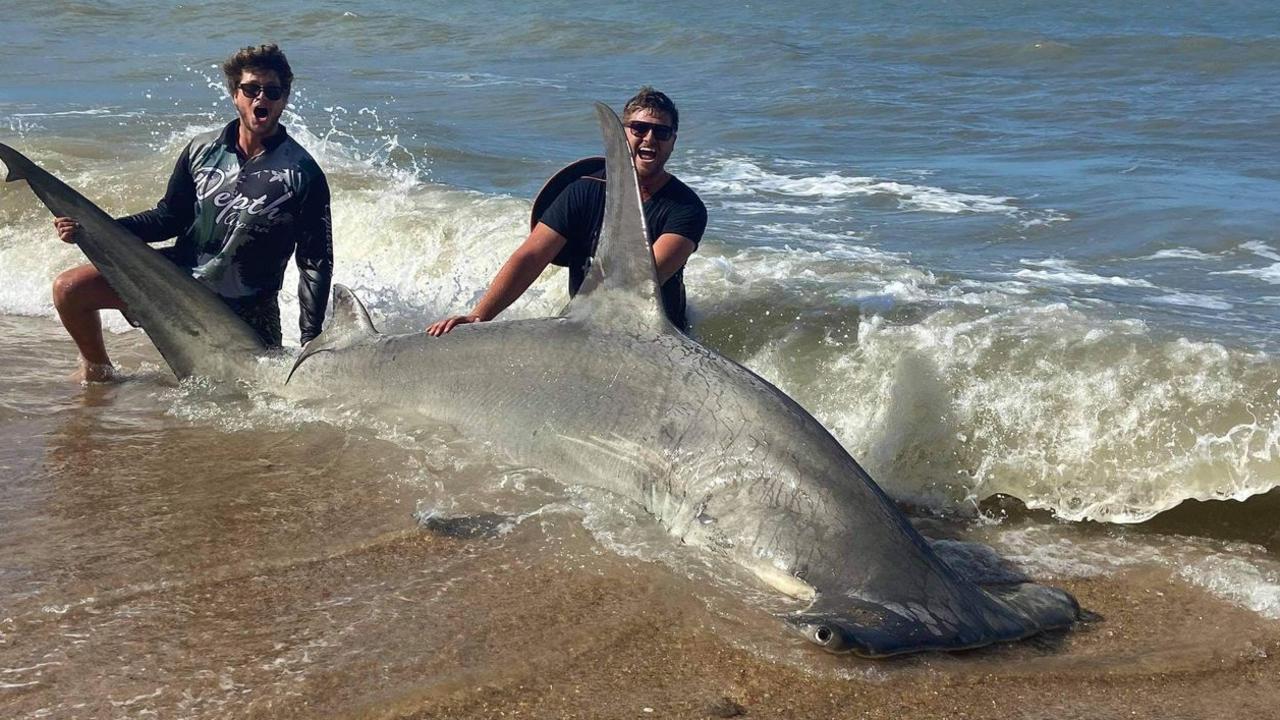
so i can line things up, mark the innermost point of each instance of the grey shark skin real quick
(195, 332)
(611, 395)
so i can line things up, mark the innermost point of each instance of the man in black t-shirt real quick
(567, 232)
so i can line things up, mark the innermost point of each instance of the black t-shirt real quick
(578, 213)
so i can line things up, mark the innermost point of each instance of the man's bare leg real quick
(78, 295)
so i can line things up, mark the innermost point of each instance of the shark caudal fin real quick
(349, 325)
(621, 282)
(191, 327)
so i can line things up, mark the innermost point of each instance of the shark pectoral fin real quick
(1035, 605)
(349, 325)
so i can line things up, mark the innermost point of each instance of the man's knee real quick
(66, 288)
(82, 288)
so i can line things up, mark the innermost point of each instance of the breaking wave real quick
(949, 389)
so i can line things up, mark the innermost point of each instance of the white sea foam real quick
(22, 126)
(92, 111)
(1261, 249)
(1269, 274)
(30, 257)
(1045, 217)
(1244, 575)
(773, 208)
(1181, 253)
(1064, 272)
(479, 80)
(1192, 300)
(842, 271)
(844, 238)
(1088, 419)
(743, 178)
(1045, 552)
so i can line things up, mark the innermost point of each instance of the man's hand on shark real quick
(440, 327)
(68, 229)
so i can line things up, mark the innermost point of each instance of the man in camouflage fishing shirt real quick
(240, 200)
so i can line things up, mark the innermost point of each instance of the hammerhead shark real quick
(610, 394)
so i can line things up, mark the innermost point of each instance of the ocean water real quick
(1021, 259)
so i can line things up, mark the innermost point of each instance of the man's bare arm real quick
(670, 253)
(517, 274)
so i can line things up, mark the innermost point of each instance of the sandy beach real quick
(1159, 651)
(258, 619)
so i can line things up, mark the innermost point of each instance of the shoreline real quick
(1162, 651)
(301, 587)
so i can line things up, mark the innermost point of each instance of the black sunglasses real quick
(253, 90)
(660, 132)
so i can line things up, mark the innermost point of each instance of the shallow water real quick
(193, 551)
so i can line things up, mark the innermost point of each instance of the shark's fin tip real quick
(12, 161)
(349, 325)
(621, 282)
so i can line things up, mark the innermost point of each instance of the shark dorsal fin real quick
(350, 318)
(621, 284)
(349, 325)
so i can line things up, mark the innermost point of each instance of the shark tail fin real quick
(194, 330)
(14, 162)
(622, 283)
(349, 325)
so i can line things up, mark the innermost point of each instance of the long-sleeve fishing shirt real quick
(237, 220)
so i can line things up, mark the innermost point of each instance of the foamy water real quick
(950, 388)
(1242, 573)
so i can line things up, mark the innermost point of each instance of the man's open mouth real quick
(646, 154)
(260, 113)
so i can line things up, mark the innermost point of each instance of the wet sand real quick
(620, 640)
(280, 573)
(1162, 651)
